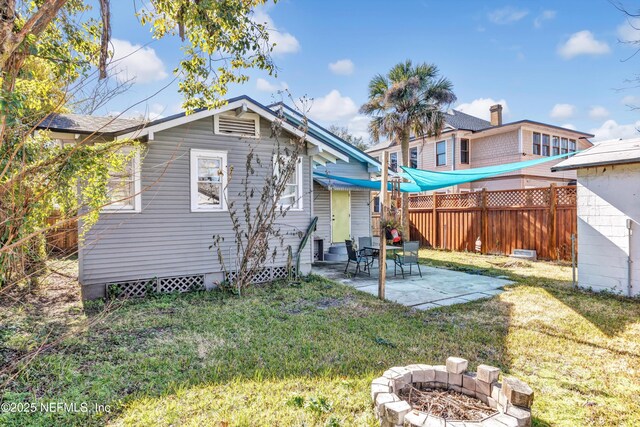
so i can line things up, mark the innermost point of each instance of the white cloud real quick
(135, 61)
(582, 43)
(480, 107)
(342, 66)
(630, 100)
(333, 107)
(598, 112)
(629, 30)
(359, 127)
(266, 86)
(283, 42)
(612, 130)
(546, 15)
(568, 126)
(507, 15)
(562, 111)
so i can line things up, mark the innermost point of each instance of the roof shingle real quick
(88, 124)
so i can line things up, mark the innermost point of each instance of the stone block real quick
(518, 393)
(395, 411)
(488, 373)
(433, 421)
(442, 375)
(483, 387)
(493, 404)
(507, 420)
(421, 373)
(415, 419)
(377, 389)
(495, 390)
(400, 377)
(455, 388)
(455, 379)
(523, 415)
(457, 365)
(470, 393)
(383, 398)
(502, 401)
(491, 422)
(469, 381)
(482, 397)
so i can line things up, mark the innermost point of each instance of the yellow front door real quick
(340, 215)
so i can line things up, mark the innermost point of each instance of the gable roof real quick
(322, 133)
(463, 121)
(613, 152)
(82, 123)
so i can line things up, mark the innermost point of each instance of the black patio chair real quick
(365, 245)
(409, 257)
(357, 258)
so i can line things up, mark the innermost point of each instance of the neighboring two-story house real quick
(469, 142)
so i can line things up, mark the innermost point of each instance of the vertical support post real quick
(573, 258)
(434, 222)
(382, 257)
(484, 223)
(553, 210)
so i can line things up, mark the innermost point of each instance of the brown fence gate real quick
(540, 219)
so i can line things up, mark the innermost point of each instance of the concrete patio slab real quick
(437, 286)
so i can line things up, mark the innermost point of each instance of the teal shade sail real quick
(406, 187)
(428, 180)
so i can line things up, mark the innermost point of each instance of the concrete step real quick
(328, 256)
(338, 249)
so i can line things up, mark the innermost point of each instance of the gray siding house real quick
(162, 232)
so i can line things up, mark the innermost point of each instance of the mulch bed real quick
(447, 404)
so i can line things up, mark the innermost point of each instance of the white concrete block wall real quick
(607, 197)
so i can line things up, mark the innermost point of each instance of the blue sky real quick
(556, 62)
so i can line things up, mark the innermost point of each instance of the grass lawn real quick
(304, 355)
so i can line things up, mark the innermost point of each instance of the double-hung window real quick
(536, 143)
(441, 153)
(572, 145)
(123, 187)
(464, 151)
(208, 180)
(545, 145)
(393, 162)
(564, 144)
(291, 197)
(413, 157)
(555, 143)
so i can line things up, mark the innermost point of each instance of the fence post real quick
(484, 223)
(553, 209)
(434, 222)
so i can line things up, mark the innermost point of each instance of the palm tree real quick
(407, 100)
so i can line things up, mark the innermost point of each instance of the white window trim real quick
(193, 179)
(468, 152)
(446, 160)
(254, 116)
(137, 189)
(299, 190)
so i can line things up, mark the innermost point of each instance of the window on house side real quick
(441, 153)
(413, 157)
(208, 180)
(393, 162)
(123, 188)
(555, 143)
(572, 145)
(536, 143)
(545, 145)
(376, 204)
(291, 197)
(564, 145)
(464, 151)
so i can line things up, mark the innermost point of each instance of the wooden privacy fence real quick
(63, 238)
(541, 219)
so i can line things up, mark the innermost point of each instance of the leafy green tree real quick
(409, 100)
(343, 133)
(51, 50)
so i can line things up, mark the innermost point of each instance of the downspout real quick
(629, 261)
(453, 156)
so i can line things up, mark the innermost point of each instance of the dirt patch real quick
(321, 304)
(446, 404)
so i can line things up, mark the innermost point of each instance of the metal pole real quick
(382, 256)
(573, 258)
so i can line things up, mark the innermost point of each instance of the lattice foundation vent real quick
(140, 288)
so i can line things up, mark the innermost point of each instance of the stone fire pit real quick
(507, 403)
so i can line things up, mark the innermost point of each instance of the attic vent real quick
(246, 125)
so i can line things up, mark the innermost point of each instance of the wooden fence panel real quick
(542, 219)
(63, 238)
